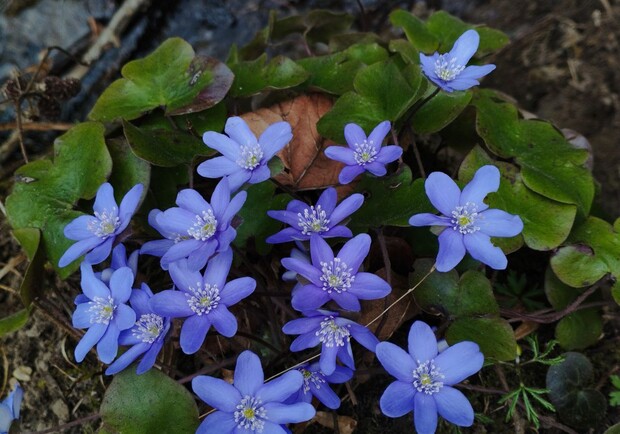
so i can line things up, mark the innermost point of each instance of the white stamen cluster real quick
(337, 276)
(464, 218)
(204, 227)
(106, 223)
(365, 153)
(203, 298)
(101, 310)
(331, 334)
(313, 220)
(148, 327)
(311, 377)
(446, 68)
(426, 378)
(249, 414)
(250, 156)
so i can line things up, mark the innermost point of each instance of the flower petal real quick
(422, 342)
(92, 336)
(120, 284)
(100, 253)
(451, 250)
(81, 316)
(475, 72)
(345, 300)
(305, 341)
(217, 167)
(105, 202)
(498, 223)
(320, 251)
(426, 219)
(149, 358)
(223, 144)
(327, 200)
(280, 388)
(180, 250)
(327, 361)
(480, 247)
(218, 422)
(465, 47)
(184, 278)
(237, 179)
(346, 208)
(378, 134)
(424, 413)
(124, 317)
(355, 251)
(130, 202)
(302, 325)
(376, 168)
(364, 336)
(248, 375)
(190, 200)
(78, 229)
(396, 361)
(156, 247)
(91, 285)
(368, 286)
(338, 231)
(459, 361)
(288, 217)
(387, 154)
(349, 173)
(217, 393)
(233, 207)
(454, 407)
(127, 358)
(218, 268)
(428, 65)
(303, 268)
(398, 398)
(309, 297)
(286, 235)
(171, 304)
(107, 347)
(193, 333)
(236, 290)
(354, 134)
(326, 395)
(260, 174)
(485, 181)
(239, 131)
(274, 138)
(443, 192)
(295, 413)
(78, 249)
(223, 321)
(342, 154)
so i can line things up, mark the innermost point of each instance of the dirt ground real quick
(563, 63)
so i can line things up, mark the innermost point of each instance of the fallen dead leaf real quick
(346, 424)
(525, 329)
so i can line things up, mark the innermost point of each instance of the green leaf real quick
(148, 403)
(537, 147)
(558, 293)
(415, 29)
(32, 284)
(382, 92)
(322, 24)
(580, 329)
(14, 322)
(514, 197)
(593, 250)
(440, 111)
(334, 73)
(577, 404)
(255, 76)
(403, 47)
(448, 28)
(615, 429)
(163, 147)
(45, 192)
(256, 223)
(166, 183)
(390, 201)
(169, 77)
(494, 335)
(127, 169)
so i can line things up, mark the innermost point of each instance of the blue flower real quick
(9, 409)
(203, 300)
(145, 337)
(424, 379)
(196, 229)
(364, 154)
(468, 221)
(119, 260)
(103, 312)
(449, 71)
(244, 158)
(333, 333)
(316, 383)
(336, 277)
(96, 234)
(250, 405)
(320, 219)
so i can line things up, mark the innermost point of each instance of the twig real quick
(66, 426)
(37, 126)
(388, 275)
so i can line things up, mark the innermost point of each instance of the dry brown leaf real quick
(306, 165)
(346, 424)
(525, 329)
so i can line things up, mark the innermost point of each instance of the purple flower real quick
(424, 379)
(449, 71)
(336, 277)
(316, 383)
(103, 312)
(9, 408)
(468, 221)
(203, 300)
(146, 337)
(249, 405)
(244, 158)
(320, 219)
(119, 260)
(96, 234)
(364, 154)
(196, 229)
(333, 333)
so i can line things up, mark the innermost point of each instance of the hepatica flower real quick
(336, 277)
(9, 409)
(316, 383)
(469, 223)
(321, 219)
(244, 159)
(249, 405)
(119, 260)
(449, 71)
(203, 300)
(424, 379)
(96, 234)
(146, 337)
(333, 333)
(196, 229)
(103, 312)
(364, 153)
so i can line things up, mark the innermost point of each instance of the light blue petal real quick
(309, 297)
(260, 174)
(190, 200)
(327, 201)
(428, 65)
(239, 131)
(218, 268)
(342, 154)
(149, 358)
(485, 181)
(424, 413)
(100, 253)
(171, 304)
(120, 284)
(223, 321)
(280, 388)
(475, 72)
(129, 203)
(378, 134)
(443, 192)
(107, 347)
(346, 300)
(355, 251)
(193, 333)
(237, 179)
(354, 134)
(81, 316)
(326, 395)
(295, 413)
(78, 228)
(465, 47)
(236, 290)
(454, 407)
(217, 167)
(248, 377)
(219, 422)
(183, 277)
(459, 361)
(105, 202)
(426, 219)
(274, 138)
(498, 223)
(217, 393)
(124, 317)
(308, 271)
(376, 168)
(368, 286)
(221, 143)
(422, 342)
(398, 398)
(91, 285)
(387, 154)
(320, 251)
(480, 247)
(349, 173)
(78, 249)
(346, 208)
(127, 358)
(396, 361)
(451, 250)
(305, 341)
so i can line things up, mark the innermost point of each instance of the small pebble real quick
(22, 373)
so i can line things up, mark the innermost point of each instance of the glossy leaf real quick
(14, 322)
(440, 111)
(580, 329)
(170, 77)
(494, 335)
(415, 29)
(127, 169)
